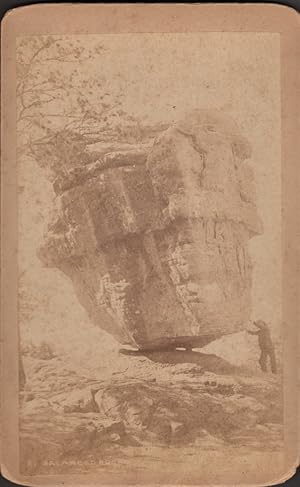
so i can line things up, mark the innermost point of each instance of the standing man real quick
(266, 346)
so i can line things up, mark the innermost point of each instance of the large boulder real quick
(156, 243)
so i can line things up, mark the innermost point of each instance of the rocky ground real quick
(72, 418)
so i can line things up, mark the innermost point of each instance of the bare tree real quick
(55, 101)
(61, 108)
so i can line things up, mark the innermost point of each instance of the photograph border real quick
(66, 19)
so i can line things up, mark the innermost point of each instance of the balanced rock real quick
(156, 243)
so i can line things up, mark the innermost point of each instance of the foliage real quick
(56, 101)
(61, 108)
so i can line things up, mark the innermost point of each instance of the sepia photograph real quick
(149, 259)
(149, 284)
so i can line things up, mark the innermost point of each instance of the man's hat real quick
(259, 323)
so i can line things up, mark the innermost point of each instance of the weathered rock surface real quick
(175, 399)
(156, 244)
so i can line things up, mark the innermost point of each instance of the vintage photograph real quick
(149, 227)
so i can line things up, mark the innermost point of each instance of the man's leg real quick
(263, 361)
(273, 362)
